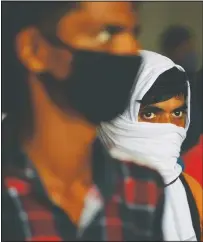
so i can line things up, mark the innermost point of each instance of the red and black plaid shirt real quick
(124, 204)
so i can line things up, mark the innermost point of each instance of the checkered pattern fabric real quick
(133, 212)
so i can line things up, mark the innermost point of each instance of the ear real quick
(32, 50)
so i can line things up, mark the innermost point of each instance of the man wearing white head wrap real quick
(157, 144)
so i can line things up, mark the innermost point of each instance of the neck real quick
(61, 145)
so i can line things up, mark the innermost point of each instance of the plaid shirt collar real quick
(104, 177)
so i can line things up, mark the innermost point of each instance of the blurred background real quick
(158, 16)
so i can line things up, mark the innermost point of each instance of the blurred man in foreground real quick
(67, 66)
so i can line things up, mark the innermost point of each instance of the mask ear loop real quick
(54, 40)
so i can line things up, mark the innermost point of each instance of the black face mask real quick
(98, 87)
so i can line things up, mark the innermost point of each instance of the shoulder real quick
(136, 170)
(143, 193)
(196, 190)
(144, 184)
(144, 174)
(193, 184)
(144, 189)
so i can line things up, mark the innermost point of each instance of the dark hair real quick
(173, 37)
(15, 92)
(171, 83)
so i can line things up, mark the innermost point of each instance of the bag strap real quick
(197, 193)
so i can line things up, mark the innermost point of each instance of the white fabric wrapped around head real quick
(152, 144)
(153, 66)
(156, 145)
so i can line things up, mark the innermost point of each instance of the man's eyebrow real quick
(182, 107)
(152, 109)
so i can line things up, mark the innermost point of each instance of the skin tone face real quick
(170, 111)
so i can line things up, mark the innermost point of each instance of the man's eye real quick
(108, 32)
(104, 36)
(148, 115)
(177, 114)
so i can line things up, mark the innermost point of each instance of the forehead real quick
(171, 104)
(109, 10)
(122, 13)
